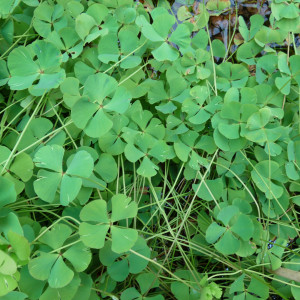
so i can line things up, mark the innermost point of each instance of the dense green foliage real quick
(141, 159)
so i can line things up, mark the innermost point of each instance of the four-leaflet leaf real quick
(96, 223)
(101, 95)
(68, 182)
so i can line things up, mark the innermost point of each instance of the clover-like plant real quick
(52, 175)
(268, 177)
(67, 41)
(9, 221)
(171, 96)
(210, 190)
(231, 75)
(109, 51)
(97, 222)
(101, 95)
(146, 282)
(88, 65)
(40, 61)
(34, 136)
(120, 265)
(50, 262)
(145, 150)
(273, 255)
(257, 289)
(292, 166)
(194, 64)
(8, 193)
(286, 14)
(234, 234)
(144, 141)
(200, 107)
(8, 274)
(143, 125)
(14, 249)
(111, 142)
(186, 150)
(91, 24)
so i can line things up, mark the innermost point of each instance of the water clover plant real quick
(51, 265)
(256, 287)
(143, 149)
(146, 281)
(48, 18)
(41, 61)
(69, 181)
(120, 265)
(238, 227)
(158, 32)
(101, 95)
(97, 222)
(149, 149)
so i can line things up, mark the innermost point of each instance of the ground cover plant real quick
(149, 149)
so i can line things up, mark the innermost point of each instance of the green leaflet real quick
(8, 193)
